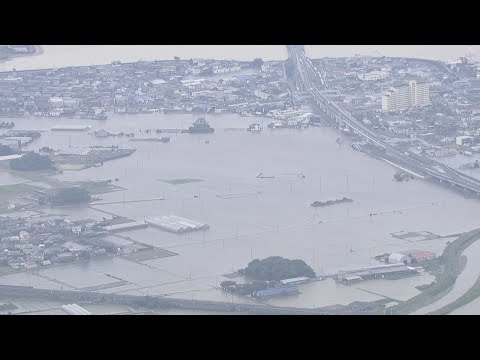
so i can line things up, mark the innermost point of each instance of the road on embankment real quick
(465, 281)
(453, 282)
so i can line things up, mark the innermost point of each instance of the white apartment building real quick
(406, 97)
(373, 76)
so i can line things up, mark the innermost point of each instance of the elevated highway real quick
(313, 81)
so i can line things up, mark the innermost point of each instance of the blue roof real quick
(278, 290)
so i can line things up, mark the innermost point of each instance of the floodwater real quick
(85, 55)
(9, 179)
(249, 217)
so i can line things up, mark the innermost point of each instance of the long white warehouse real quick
(74, 309)
(176, 224)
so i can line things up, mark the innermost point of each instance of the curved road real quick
(464, 282)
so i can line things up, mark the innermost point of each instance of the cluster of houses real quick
(16, 139)
(448, 126)
(144, 86)
(33, 242)
(397, 265)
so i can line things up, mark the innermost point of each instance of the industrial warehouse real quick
(390, 271)
(280, 290)
(176, 224)
(74, 309)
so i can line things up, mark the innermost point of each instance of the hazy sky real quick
(77, 55)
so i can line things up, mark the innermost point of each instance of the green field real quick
(99, 187)
(180, 181)
(36, 176)
(117, 221)
(8, 191)
(149, 255)
(5, 270)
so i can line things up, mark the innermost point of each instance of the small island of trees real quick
(267, 274)
(331, 202)
(276, 268)
(31, 162)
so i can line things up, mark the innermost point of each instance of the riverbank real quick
(454, 263)
(37, 50)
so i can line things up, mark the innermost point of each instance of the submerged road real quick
(8, 291)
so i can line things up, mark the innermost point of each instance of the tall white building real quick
(406, 97)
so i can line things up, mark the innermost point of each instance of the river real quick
(84, 55)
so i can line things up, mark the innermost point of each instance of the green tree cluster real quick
(68, 196)
(6, 150)
(257, 63)
(277, 268)
(31, 162)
